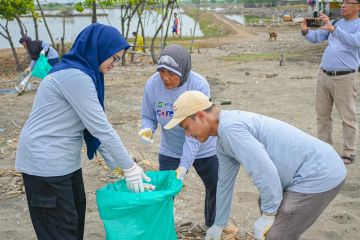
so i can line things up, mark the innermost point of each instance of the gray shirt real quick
(276, 155)
(157, 108)
(50, 142)
(343, 50)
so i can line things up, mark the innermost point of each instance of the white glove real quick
(180, 173)
(262, 226)
(42, 52)
(146, 135)
(214, 233)
(133, 178)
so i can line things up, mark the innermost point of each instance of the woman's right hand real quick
(28, 69)
(134, 177)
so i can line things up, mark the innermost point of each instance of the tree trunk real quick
(152, 47)
(21, 26)
(94, 18)
(168, 24)
(123, 19)
(36, 26)
(63, 37)
(137, 31)
(162, 29)
(131, 15)
(46, 25)
(107, 19)
(19, 68)
(142, 31)
(196, 21)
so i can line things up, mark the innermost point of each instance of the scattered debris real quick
(15, 124)
(271, 75)
(188, 231)
(225, 102)
(13, 187)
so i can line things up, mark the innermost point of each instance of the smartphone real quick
(314, 22)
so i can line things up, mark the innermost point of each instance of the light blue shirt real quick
(276, 155)
(50, 142)
(343, 50)
(157, 108)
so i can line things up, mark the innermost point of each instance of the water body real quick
(213, 9)
(73, 25)
(238, 18)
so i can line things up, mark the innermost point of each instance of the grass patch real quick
(209, 24)
(249, 19)
(248, 57)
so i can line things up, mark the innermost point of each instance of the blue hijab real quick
(95, 44)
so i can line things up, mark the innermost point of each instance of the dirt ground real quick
(262, 86)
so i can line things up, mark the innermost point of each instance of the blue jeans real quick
(207, 169)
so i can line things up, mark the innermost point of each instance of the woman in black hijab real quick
(35, 48)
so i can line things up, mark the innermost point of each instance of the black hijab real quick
(34, 47)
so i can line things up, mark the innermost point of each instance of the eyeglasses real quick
(116, 60)
(348, 3)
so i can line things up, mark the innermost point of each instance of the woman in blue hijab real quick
(69, 107)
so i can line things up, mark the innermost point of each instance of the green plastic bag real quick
(41, 68)
(140, 216)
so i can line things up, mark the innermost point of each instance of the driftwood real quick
(13, 187)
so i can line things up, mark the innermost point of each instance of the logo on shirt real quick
(164, 109)
(165, 113)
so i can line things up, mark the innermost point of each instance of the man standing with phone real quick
(336, 79)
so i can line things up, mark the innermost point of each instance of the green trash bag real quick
(140, 216)
(41, 68)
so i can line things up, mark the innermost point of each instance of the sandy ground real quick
(262, 86)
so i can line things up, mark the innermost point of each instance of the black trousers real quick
(57, 205)
(53, 61)
(207, 169)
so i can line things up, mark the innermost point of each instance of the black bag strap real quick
(335, 21)
(47, 52)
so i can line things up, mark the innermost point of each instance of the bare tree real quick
(196, 21)
(152, 47)
(139, 13)
(168, 24)
(23, 30)
(46, 25)
(94, 18)
(7, 36)
(36, 25)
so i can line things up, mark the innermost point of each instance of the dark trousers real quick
(57, 205)
(298, 211)
(207, 169)
(53, 61)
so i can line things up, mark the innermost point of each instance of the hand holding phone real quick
(314, 22)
